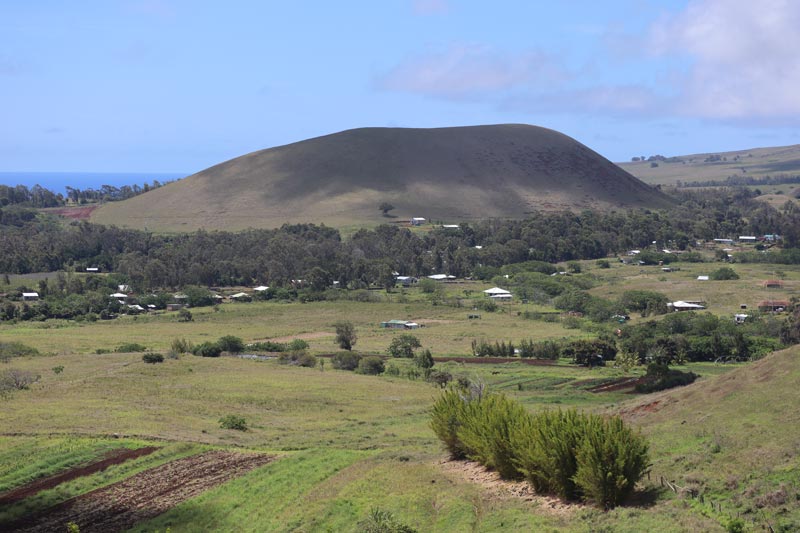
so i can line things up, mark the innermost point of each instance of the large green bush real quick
(15, 349)
(566, 453)
(207, 349)
(404, 345)
(231, 344)
(486, 433)
(611, 458)
(345, 360)
(546, 451)
(447, 416)
(371, 365)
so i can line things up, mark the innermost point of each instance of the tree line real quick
(39, 197)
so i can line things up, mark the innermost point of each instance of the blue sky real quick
(177, 86)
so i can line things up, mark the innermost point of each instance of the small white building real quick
(417, 221)
(30, 296)
(747, 238)
(496, 291)
(702, 278)
(261, 288)
(685, 306)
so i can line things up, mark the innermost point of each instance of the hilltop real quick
(447, 174)
(718, 166)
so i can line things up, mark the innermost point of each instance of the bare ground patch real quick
(497, 488)
(114, 457)
(143, 496)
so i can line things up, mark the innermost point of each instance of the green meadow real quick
(346, 444)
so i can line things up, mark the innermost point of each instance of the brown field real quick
(145, 495)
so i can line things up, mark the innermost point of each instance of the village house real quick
(399, 324)
(773, 306)
(30, 296)
(417, 221)
(680, 305)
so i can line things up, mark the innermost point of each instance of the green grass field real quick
(347, 443)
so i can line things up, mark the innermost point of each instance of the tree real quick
(404, 345)
(424, 361)
(345, 335)
(385, 207)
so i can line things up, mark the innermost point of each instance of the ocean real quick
(58, 181)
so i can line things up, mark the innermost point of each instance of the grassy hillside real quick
(733, 440)
(447, 174)
(756, 162)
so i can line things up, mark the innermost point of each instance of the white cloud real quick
(467, 71)
(744, 58)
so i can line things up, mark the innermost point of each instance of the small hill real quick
(733, 438)
(755, 162)
(448, 174)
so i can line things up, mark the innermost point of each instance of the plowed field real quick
(143, 496)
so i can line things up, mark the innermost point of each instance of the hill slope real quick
(755, 162)
(447, 174)
(732, 438)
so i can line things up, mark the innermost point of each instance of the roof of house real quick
(396, 322)
(30, 294)
(239, 295)
(438, 276)
(686, 305)
(261, 288)
(773, 303)
(496, 290)
(118, 295)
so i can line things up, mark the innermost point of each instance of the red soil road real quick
(143, 496)
(114, 457)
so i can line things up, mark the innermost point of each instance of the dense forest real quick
(32, 242)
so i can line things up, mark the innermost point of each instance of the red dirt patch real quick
(143, 496)
(77, 213)
(114, 457)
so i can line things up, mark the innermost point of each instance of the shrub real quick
(392, 370)
(439, 377)
(267, 346)
(181, 346)
(233, 422)
(603, 263)
(297, 345)
(184, 315)
(660, 377)
(546, 446)
(486, 429)
(15, 349)
(58, 369)
(130, 347)
(447, 416)
(380, 521)
(17, 379)
(371, 365)
(298, 358)
(153, 358)
(611, 459)
(345, 335)
(724, 273)
(207, 349)
(345, 360)
(404, 345)
(231, 344)
(424, 360)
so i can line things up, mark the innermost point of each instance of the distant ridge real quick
(448, 174)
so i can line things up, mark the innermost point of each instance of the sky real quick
(178, 85)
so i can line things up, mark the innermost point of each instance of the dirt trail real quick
(114, 457)
(148, 494)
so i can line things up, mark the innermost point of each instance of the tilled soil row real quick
(113, 457)
(120, 506)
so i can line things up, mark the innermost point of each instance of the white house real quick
(495, 291)
(680, 305)
(417, 221)
(261, 288)
(121, 296)
(702, 278)
(30, 296)
(239, 295)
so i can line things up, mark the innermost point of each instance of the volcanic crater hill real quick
(449, 174)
